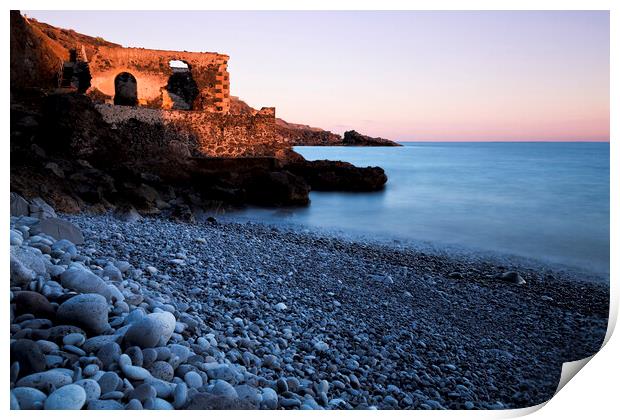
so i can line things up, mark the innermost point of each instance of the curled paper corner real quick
(569, 370)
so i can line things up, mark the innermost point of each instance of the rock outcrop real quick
(326, 175)
(353, 138)
(35, 57)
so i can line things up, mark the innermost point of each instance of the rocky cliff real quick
(36, 59)
(81, 154)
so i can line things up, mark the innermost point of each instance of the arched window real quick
(125, 89)
(181, 87)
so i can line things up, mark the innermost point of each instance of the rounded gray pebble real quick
(109, 381)
(112, 395)
(88, 311)
(91, 387)
(180, 395)
(157, 404)
(193, 379)
(135, 373)
(104, 405)
(162, 370)
(73, 339)
(29, 398)
(153, 329)
(69, 397)
(224, 388)
(143, 392)
(134, 405)
(90, 370)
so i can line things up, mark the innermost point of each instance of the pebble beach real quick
(156, 314)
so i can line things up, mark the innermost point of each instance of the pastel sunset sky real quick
(408, 75)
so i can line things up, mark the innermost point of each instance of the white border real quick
(592, 394)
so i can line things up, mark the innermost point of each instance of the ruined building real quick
(155, 129)
(160, 79)
(189, 91)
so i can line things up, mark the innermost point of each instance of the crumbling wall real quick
(208, 134)
(152, 71)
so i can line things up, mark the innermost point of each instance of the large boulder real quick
(61, 229)
(89, 311)
(69, 397)
(20, 274)
(182, 213)
(40, 209)
(26, 263)
(29, 356)
(19, 205)
(84, 281)
(146, 196)
(127, 214)
(44, 381)
(27, 302)
(152, 330)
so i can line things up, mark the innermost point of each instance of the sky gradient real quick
(407, 76)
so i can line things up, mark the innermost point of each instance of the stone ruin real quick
(159, 79)
(95, 125)
(189, 91)
(186, 92)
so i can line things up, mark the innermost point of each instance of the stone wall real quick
(207, 134)
(151, 69)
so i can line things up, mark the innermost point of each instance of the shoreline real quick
(444, 339)
(439, 248)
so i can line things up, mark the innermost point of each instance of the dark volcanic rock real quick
(353, 138)
(182, 213)
(33, 303)
(327, 175)
(29, 356)
(279, 188)
(127, 213)
(102, 166)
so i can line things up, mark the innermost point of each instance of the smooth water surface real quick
(549, 201)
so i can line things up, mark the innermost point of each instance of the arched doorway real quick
(125, 89)
(181, 87)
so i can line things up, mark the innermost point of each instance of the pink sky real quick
(408, 76)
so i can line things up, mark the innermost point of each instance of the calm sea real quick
(549, 201)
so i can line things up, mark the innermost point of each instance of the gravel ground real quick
(385, 327)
